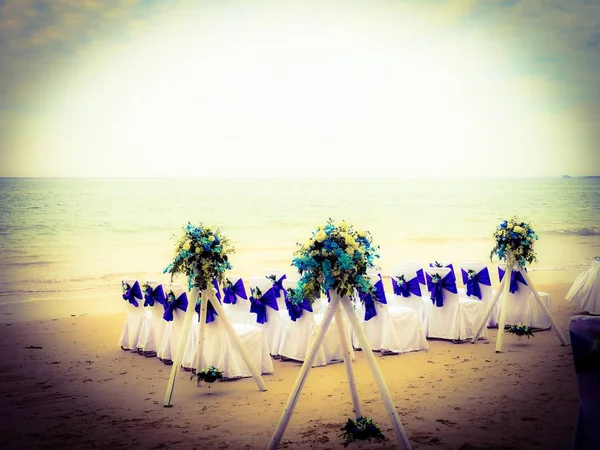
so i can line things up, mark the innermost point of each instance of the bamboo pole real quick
(488, 312)
(502, 322)
(376, 371)
(237, 342)
(301, 379)
(536, 295)
(201, 332)
(187, 323)
(347, 356)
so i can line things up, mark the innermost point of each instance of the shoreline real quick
(79, 390)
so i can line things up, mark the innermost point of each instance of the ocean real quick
(75, 239)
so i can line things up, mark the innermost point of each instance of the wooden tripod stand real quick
(505, 286)
(335, 310)
(207, 296)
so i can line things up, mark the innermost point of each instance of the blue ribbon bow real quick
(421, 276)
(156, 295)
(295, 308)
(132, 293)
(436, 289)
(278, 286)
(211, 313)
(514, 277)
(472, 284)
(369, 299)
(259, 305)
(180, 302)
(231, 291)
(407, 288)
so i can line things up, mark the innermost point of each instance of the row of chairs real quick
(424, 302)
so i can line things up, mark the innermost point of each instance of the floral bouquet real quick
(201, 254)
(209, 375)
(514, 239)
(361, 429)
(520, 330)
(336, 257)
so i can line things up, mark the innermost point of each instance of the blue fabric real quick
(180, 302)
(408, 288)
(472, 285)
(515, 277)
(231, 292)
(259, 305)
(156, 295)
(132, 293)
(278, 286)
(295, 309)
(211, 313)
(436, 290)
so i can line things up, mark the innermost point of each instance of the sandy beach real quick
(65, 383)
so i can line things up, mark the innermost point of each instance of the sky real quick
(405, 88)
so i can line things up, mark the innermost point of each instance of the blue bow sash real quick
(278, 287)
(421, 276)
(180, 302)
(515, 277)
(407, 288)
(133, 293)
(369, 299)
(259, 305)
(232, 291)
(211, 313)
(295, 309)
(437, 289)
(472, 285)
(156, 295)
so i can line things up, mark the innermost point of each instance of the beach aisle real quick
(65, 383)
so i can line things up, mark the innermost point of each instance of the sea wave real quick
(574, 232)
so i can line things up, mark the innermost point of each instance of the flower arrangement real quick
(362, 428)
(520, 329)
(336, 257)
(209, 375)
(201, 254)
(515, 239)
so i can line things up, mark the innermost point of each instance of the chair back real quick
(479, 287)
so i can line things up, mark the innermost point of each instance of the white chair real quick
(132, 295)
(522, 307)
(299, 329)
(235, 300)
(153, 324)
(450, 316)
(407, 291)
(584, 293)
(174, 314)
(265, 309)
(478, 286)
(393, 328)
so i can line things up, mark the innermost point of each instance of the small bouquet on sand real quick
(209, 375)
(336, 257)
(361, 429)
(514, 239)
(520, 329)
(202, 254)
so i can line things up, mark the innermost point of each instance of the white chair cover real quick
(394, 328)
(267, 318)
(522, 306)
(458, 317)
(585, 291)
(235, 300)
(153, 323)
(585, 340)
(173, 328)
(132, 295)
(480, 288)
